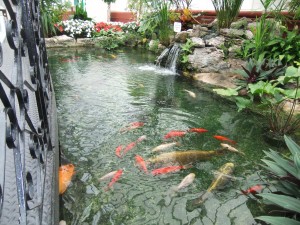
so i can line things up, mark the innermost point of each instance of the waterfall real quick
(169, 57)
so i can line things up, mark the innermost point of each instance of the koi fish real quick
(253, 190)
(65, 174)
(230, 148)
(192, 94)
(141, 138)
(164, 147)
(222, 138)
(141, 162)
(186, 181)
(129, 147)
(174, 133)
(69, 60)
(131, 126)
(113, 56)
(118, 151)
(168, 169)
(220, 180)
(197, 130)
(115, 178)
(185, 157)
(107, 176)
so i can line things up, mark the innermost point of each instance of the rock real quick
(240, 24)
(251, 26)
(217, 79)
(208, 59)
(181, 36)
(248, 34)
(213, 24)
(232, 33)
(198, 42)
(198, 31)
(153, 45)
(64, 38)
(233, 50)
(216, 41)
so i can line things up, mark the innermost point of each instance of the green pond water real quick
(99, 93)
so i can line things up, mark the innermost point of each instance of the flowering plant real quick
(130, 27)
(77, 28)
(107, 26)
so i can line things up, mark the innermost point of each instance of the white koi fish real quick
(192, 94)
(230, 148)
(186, 181)
(164, 147)
(107, 176)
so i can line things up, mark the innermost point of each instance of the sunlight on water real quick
(99, 96)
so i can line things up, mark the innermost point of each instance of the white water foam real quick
(156, 69)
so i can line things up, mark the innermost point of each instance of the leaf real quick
(293, 147)
(276, 220)
(226, 92)
(283, 201)
(274, 168)
(242, 103)
(283, 163)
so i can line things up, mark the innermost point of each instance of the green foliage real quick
(157, 20)
(51, 13)
(186, 50)
(109, 42)
(227, 11)
(80, 12)
(262, 69)
(272, 99)
(287, 48)
(286, 172)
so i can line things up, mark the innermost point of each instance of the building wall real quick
(97, 9)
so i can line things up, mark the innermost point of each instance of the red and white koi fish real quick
(132, 126)
(197, 130)
(141, 138)
(164, 147)
(115, 178)
(175, 133)
(107, 176)
(253, 190)
(168, 169)
(118, 151)
(222, 138)
(141, 163)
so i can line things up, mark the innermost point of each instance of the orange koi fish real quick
(141, 162)
(65, 174)
(253, 190)
(168, 169)
(197, 130)
(222, 138)
(115, 178)
(118, 151)
(129, 147)
(174, 133)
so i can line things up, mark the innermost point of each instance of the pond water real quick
(99, 93)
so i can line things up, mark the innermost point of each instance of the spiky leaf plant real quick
(286, 171)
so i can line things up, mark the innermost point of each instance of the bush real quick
(77, 28)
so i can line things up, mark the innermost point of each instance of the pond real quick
(99, 94)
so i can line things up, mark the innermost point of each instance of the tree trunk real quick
(108, 12)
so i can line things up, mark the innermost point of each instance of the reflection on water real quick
(98, 94)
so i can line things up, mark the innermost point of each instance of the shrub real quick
(77, 28)
(286, 172)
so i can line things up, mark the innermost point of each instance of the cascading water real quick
(169, 57)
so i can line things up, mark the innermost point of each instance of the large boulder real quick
(232, 33)
(198, 42)
(240, 24)
(208, 59)
(181, 37)
(216, 41)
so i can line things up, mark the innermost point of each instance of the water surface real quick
(99, 93)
